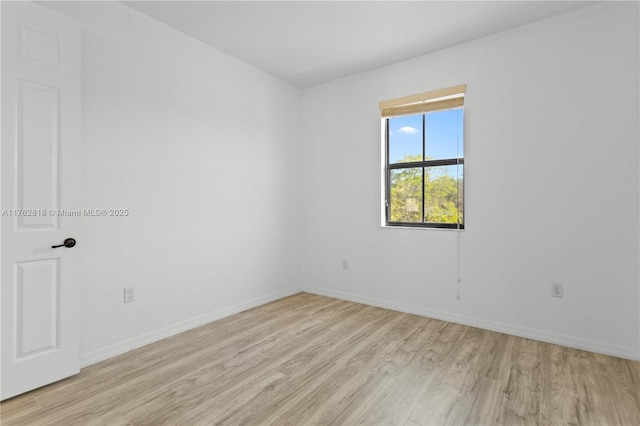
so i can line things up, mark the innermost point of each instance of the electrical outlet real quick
(128, 295)
(556, 290)
(345, 263)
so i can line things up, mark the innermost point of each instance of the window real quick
(424, 159)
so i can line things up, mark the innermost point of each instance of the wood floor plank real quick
(521, 397)
(18, 406)
(309, 365)
(213, 372)
(452, 396)
(546, 386)
(238, 375)
(305, 405)
(412, 369)
(606, 397)
(307, 359)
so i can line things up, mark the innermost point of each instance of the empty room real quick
(320, 213)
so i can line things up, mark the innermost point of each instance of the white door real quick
(40, 174)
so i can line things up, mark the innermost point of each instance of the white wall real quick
(202, 149)
(551, 179)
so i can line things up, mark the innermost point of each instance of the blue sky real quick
(443, 135)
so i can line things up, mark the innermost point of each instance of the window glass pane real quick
(443, 135)
(443, 194)
(405, 138)
(406, 195)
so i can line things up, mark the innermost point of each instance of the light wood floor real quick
(309, 360)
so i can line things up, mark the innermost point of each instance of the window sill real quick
(422, 228)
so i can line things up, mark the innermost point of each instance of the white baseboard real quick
(156, 335)
(572, 342)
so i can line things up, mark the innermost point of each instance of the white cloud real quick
(408, 130)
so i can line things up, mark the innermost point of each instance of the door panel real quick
(37, 151)
(36, 307)
(38, 46)
(40, 174)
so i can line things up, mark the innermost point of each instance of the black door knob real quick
(69, 242)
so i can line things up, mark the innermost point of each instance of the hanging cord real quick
(458, 198)
(458, 264)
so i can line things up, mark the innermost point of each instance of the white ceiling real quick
(311, 42)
